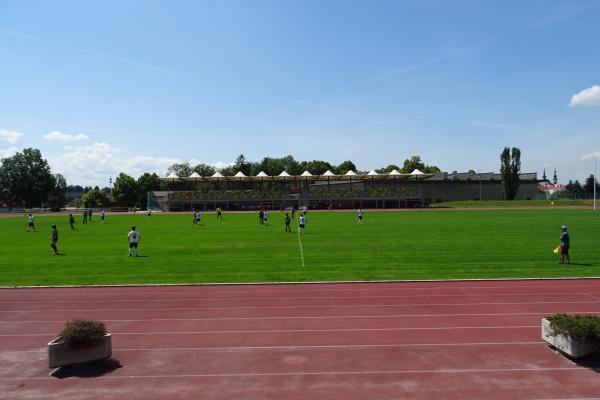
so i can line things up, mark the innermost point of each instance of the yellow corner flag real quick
(557, 249)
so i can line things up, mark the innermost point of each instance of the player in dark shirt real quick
(287, 223)
(72, 221)
(565, 243)
(54, 239)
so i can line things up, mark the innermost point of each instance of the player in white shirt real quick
(149, 212)
(301, 223)
(360, 216)
(102, 217)
(30, 223)
(265, 217)
(134, 237)
(305, 210)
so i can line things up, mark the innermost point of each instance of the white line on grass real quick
(300, 244)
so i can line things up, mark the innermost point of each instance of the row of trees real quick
(26, 180)
(126, 192)
(274, 166)
(576, 189)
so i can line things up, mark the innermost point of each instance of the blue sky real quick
(133, 86)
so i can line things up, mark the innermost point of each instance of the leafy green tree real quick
(415, 163)
(125, 190)
(316, 167)
(345, 167)
(147, 183)
(26, 179)
(95, 198)
(388, 169)
(57, 198)
(242, 165)
(588, 187)
(204, 169)
(510, 167)
(181, 169)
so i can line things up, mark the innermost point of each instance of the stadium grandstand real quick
(331, 191)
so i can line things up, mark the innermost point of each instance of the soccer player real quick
(261, 217)
(54, 239)
(90, 214)
(565, 242)
(149, 212)
(293, 211)
(134, 237)
(198, 217)
(287, 223)
(102, 217)
(219, 215)
(72, 221)
(265, 217)
(30, 223)
(195, 220)
(85, 219)
(305, 210)
(301, 222)
(360, 216)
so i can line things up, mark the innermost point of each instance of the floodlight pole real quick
(595, 180)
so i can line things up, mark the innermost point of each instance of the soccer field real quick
(424, 244)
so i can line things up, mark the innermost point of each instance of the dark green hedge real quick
(578, 327)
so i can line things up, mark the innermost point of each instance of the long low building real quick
(331, 191)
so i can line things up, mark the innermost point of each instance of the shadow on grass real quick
(581, 264)
(89, 370)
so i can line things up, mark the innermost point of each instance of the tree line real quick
(26, 179)
(275, 165)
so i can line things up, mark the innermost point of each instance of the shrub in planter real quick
(81, 333)
(575, 335)
(577, 327)
(80, 342)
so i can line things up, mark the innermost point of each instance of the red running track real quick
(417, 340)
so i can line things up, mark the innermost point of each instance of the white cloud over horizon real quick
(589, 97)
(95, 164)
(590, 156)
(58, 136)
(7, 152)
(10, 136)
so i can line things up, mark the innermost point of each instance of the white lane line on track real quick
(539, 314)
(305, 306)
(252, 289)
(295, 330)
(326, 373)
(589, 295)
(308, 347)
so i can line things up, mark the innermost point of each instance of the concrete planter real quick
(59, 355)
(566, 344)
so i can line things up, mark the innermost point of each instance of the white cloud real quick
(58, 136)
(588, 97)
(10, 136)
(7, 152)
(595, 154)
(94, 164)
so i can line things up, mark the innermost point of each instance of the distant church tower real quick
(544, 179)
(555, 178)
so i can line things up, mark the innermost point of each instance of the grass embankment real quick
(425, 244)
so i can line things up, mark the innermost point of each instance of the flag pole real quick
(595, 179)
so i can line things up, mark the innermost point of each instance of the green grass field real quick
(425, 244)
